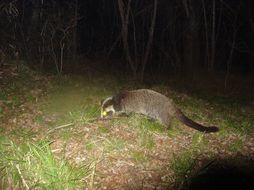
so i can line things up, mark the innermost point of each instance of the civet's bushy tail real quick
(190, 123)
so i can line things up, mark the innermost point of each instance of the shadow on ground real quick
(226, 174)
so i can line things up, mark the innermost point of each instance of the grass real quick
(145, 135)
(182, 165)
(33, 166)
(114, 144)
(199, 141)
(23, 133)
(236, 146)
(174, 129)
(66, 129)
(139, 156)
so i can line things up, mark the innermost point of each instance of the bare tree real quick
(150, 40)
(191, 42)
(233, 46)
(9, 14)
(124, 11)
(128, 19)
(75, 39)
(57, 34)
(213, 38)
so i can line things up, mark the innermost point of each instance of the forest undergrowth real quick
(51, 136)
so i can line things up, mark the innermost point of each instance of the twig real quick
(60, 127)
(22, 178)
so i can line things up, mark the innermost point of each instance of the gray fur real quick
(151, 104)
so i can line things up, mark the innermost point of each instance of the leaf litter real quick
(114, 149)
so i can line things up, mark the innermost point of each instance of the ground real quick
(51, 136)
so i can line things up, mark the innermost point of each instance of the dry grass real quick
(122, 153)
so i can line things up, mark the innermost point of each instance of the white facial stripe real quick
(107, 99)
(110, 108)
(107, 109)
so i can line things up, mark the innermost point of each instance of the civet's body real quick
(151, 104)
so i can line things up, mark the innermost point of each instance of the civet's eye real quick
(107, 114)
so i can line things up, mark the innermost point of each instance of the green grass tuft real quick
(114, 144)
(237, 146)
(33, 166)
(199, 141)
(139, 156)
(182, 165)
(145, 139)
(90, 113)
(151, 125)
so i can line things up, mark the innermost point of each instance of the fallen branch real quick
(60, 127)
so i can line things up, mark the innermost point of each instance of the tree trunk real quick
(191, 44)
(74, 50)
(150, 40)
(124, 15)
(213, 40)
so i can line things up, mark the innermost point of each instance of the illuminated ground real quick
(123, 153)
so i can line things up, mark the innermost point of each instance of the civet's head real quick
(107, 107)
(113, 104)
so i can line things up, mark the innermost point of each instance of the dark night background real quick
(187, 36)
